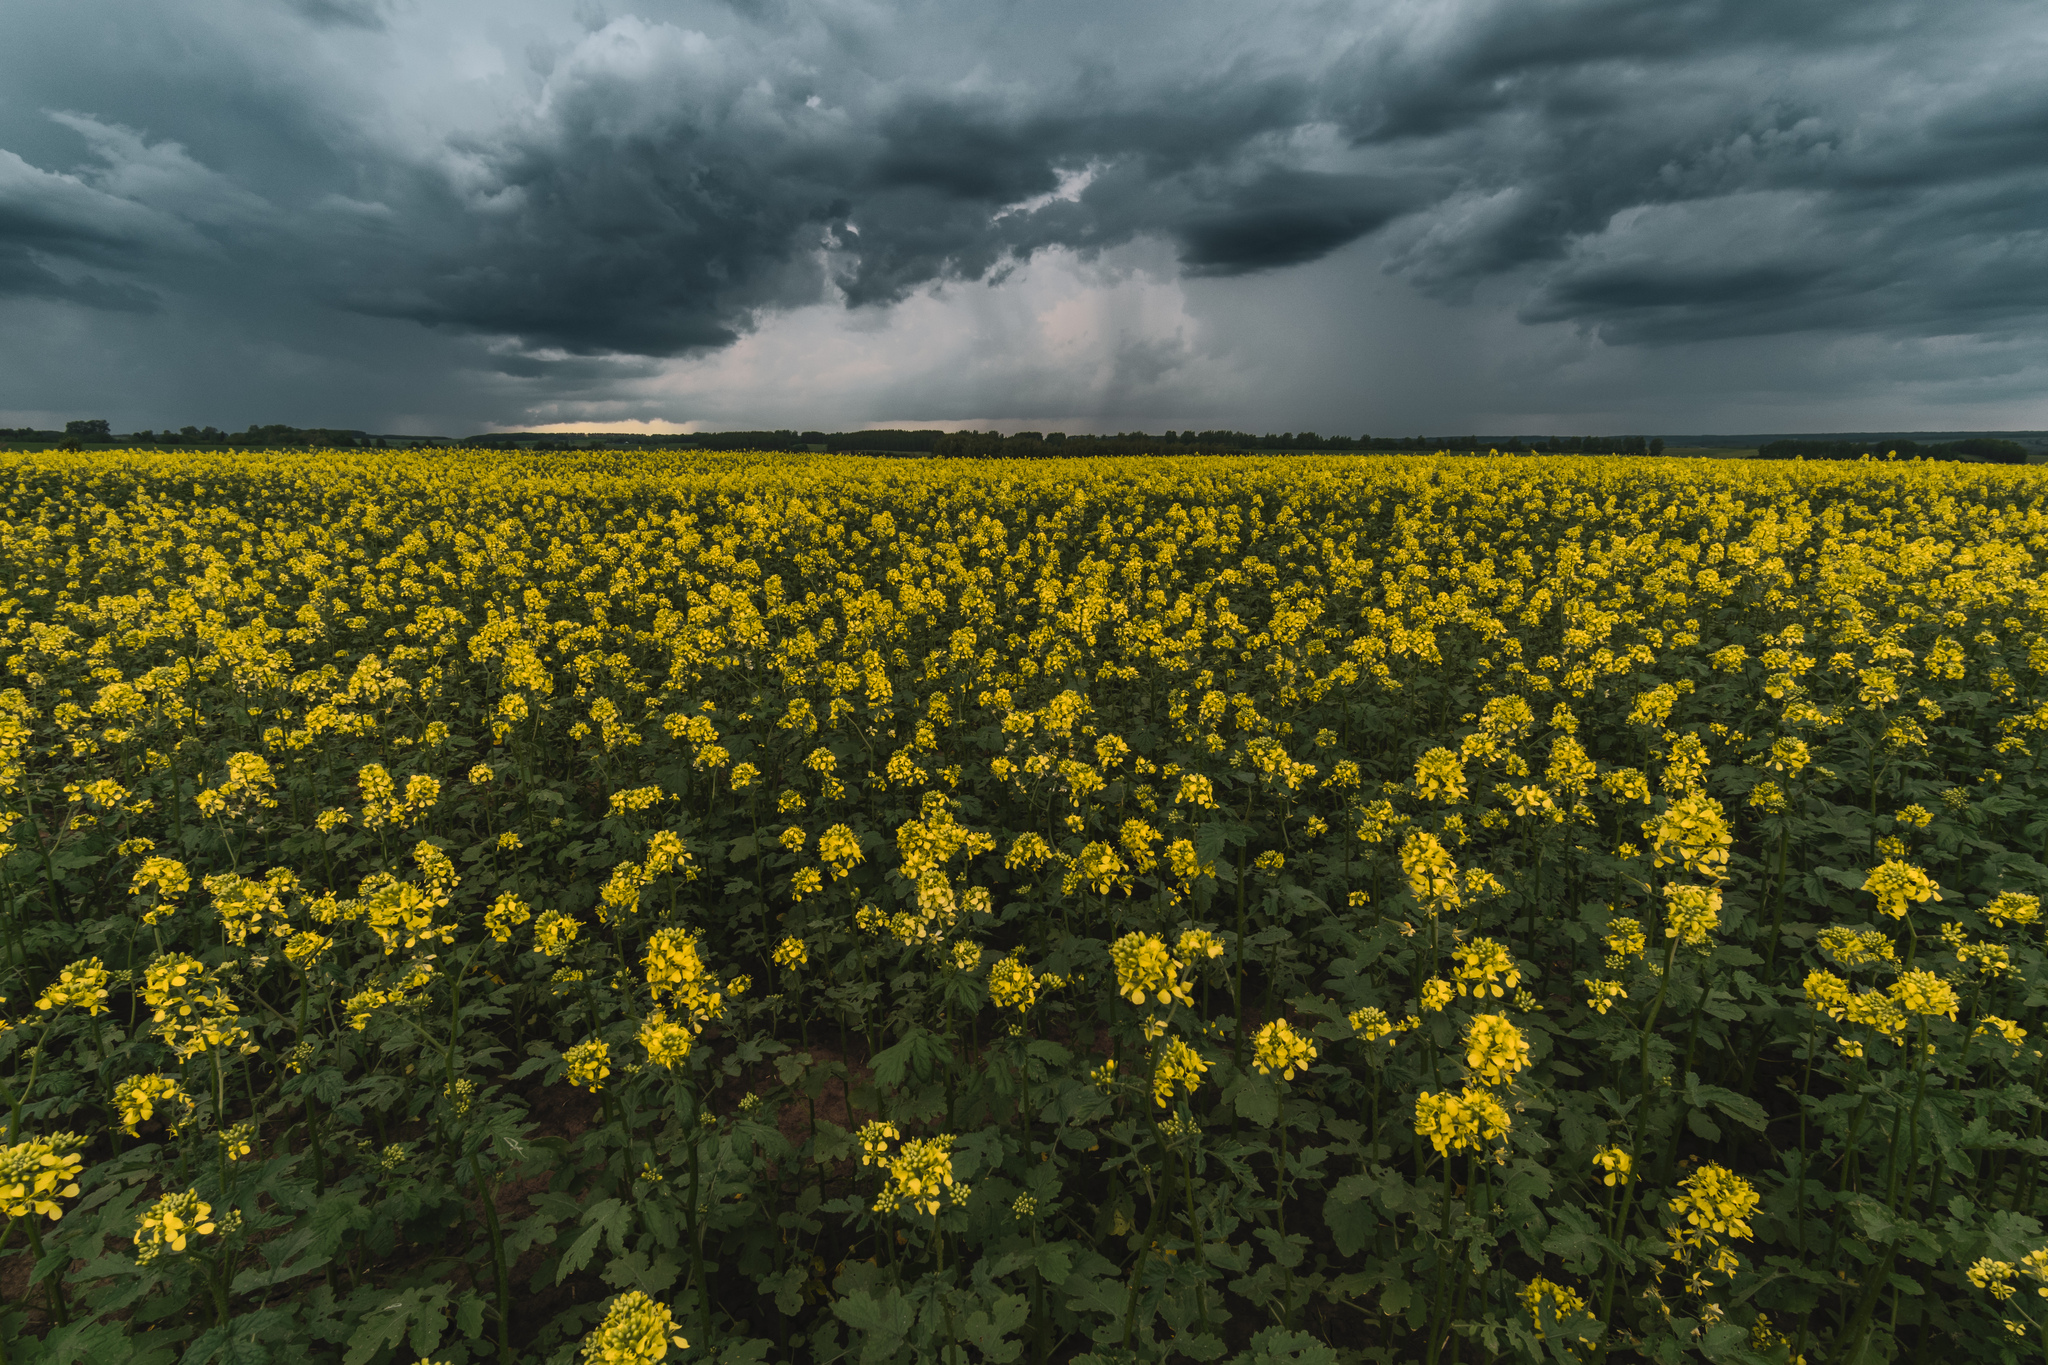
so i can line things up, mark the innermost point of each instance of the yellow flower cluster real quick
(170, 1223)
(383, 805)
(190, 1007)
(859, 631)
(589, 1062)
(1922, 992)
(553, 932)
(36, 1173)
(139, 1097)
(1439, 776)
(1899, 886)
(1691, 913)
(1178, 1066)
(1495, 1050)
(636, 1331)
(1012, 985)
(1713, 1203)
(1601, 995)
(676, 973)
(1432, 875)
(666, 1042)
(1456, 1123)
(507, 913)
(1146, 972)
(920, 1177)
(1625, 940)
(249, 782)
(1874, 1009)
(169, 878)
(1277, 1047)
(1373, 1024)
(1485, 968)
(839, 849)
(1692, 831)
(82, 985)
(874, 1138)
(2013, 907)
(1856, 947)
(1540, 1295)
(635, 799)
(2010, 1031)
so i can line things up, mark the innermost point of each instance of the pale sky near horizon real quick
(1573, 216)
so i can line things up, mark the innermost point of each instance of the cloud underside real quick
(657, 183)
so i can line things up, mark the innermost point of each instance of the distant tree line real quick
(993, 445)
(1033, 445)
(920, 441)
(97, 431)
(1972, 449)
(1027, 445)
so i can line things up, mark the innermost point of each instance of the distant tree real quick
(89, 429)
(1656, 445)
(1992, 449)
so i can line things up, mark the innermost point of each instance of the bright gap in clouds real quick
(1056, 343)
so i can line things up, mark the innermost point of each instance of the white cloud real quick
(1058, 343)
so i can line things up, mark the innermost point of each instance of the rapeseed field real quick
(620, 908)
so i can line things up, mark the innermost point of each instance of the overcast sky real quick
(1529, 216)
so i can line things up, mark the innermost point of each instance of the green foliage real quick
(1239, 911)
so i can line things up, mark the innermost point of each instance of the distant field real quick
(485, 906)
(1712, 452)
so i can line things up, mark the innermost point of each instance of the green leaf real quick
(919, 1051)
(469, 1315)
(882, 1323)
(787, 1289)
(831, 1143)
(1873, 1218)
(1052, 1259)
(421, 1310)
(1350, 1215)
(609, 1216)
(989, 1332)
(1287, 1251)
(1724, 1341)
(578, 1253)
(1741, 1108)
(100, 1343)
(1278, 1346)
(1258, 1100)
(379, 1330)
(634, 1271)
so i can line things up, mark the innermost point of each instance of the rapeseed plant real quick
(345, 796)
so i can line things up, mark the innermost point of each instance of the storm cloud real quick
(547, 201)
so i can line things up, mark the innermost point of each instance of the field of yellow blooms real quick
(622, 907)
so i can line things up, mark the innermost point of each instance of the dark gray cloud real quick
(540, 190)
